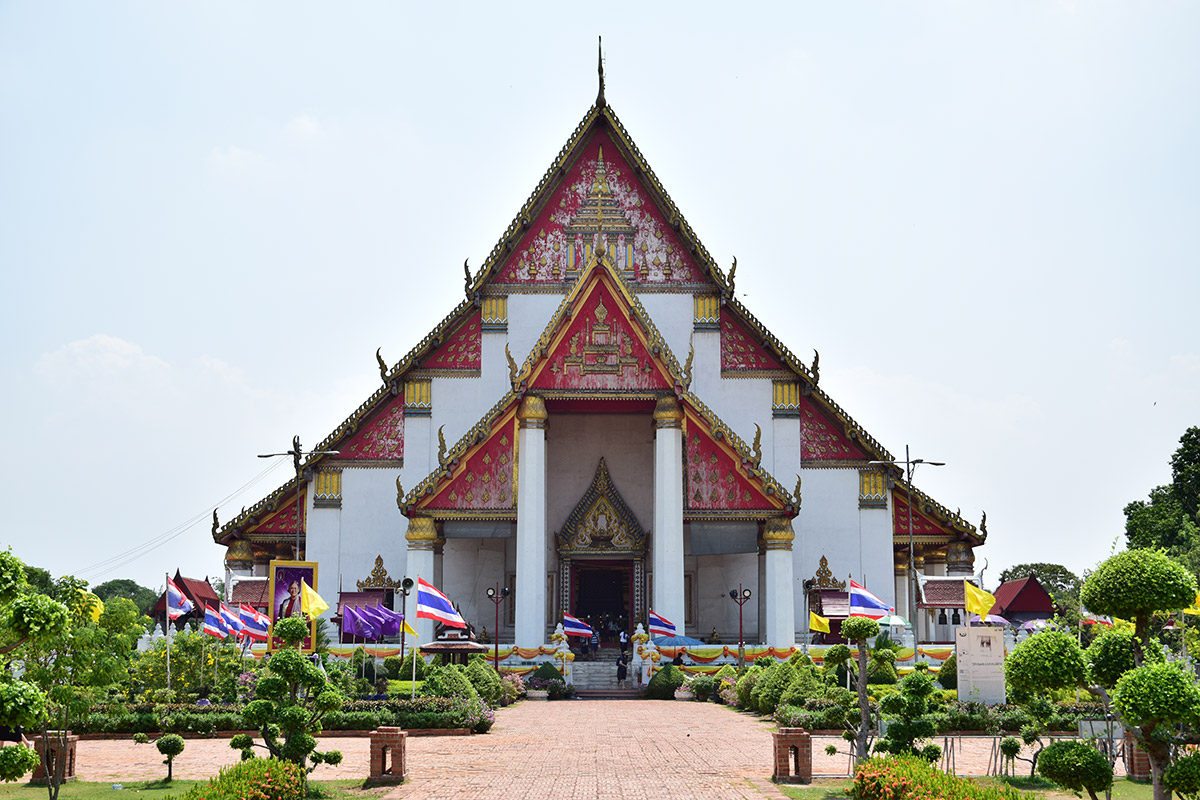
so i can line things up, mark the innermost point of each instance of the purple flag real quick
(384, 619)
(348, 623)
(367, 627)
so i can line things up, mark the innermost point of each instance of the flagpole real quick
(416, 655)
(167, 623)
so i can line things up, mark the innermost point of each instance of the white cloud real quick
(98, 356)
(304, 128)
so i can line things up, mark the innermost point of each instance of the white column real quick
(421, 536)
(901, 584)
(531, 524)
(781, 590)
(668, 512)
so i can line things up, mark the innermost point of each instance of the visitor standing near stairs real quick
(622, 671)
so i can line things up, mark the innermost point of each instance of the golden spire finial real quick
(600, 102)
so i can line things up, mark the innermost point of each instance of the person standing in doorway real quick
(595, 641)
(622, 672)
(623, 639)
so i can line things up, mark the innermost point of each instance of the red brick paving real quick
(610, 750)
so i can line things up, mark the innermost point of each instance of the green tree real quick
(910, 713)
(1153, 701)
(170, 746)
(1077, 766)
(1034, 670)
(1185, 472)
(141, 596)
(1135, 584)
(857, 630)
(1170, 518)
(292, 697)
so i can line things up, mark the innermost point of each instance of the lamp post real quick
(740, 596)
(497, 596)
(910, 466)
(406, 586)
(297, 455)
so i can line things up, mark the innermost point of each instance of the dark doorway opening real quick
(602, 595)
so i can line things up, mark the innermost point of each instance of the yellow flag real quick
(408, 628)
(1195, 606)
(93, 606)
(978, 601)
(311, 602)
(817, 623)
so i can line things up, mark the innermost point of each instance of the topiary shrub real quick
(948, 674)
(1076, 766)
(703, 687)
(170, 746)
(258, 778)
(1183, 776)
(405, 672)
(664, 683)
(485, 680)
(547, 672)
(394, 667)
(727, 673)
(449, 681)
(17, 760)
(770, 687)
(804, 685)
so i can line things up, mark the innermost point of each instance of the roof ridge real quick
(955, 520)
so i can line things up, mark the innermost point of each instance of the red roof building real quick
(199, 591)
(1023, 599)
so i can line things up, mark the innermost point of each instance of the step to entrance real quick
(608, 694)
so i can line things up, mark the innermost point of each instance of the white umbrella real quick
(893, 621)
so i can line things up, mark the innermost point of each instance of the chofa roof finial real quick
(600, 102)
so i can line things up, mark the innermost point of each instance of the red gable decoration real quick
(821, 439)
(600, 197)
(922, 525)
(485, 479)
(460, 351)
(714, 479)
(282, 519)
(741, 351)
(602, 347)
(380, 439)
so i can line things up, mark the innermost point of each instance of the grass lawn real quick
(829, 789)
(156, 790)
(398, 688)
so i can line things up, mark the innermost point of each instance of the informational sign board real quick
(283, 591)
(980, 654)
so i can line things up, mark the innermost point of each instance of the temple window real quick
(327, 489)
(785, 399)
(872, 489)
(418, 397)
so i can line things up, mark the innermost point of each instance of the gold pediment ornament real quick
(601, 522)
(823, 579)
(378, 579)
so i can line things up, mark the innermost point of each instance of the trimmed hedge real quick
(910, 778)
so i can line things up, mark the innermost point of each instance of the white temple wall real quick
(740, 402)
(371, 526)
(673, 315)
(856, 541)
(322, 543)
(470, 567)
(783, 459)
(576, 442)
(458, 403)
(714, 577)
(528, 315)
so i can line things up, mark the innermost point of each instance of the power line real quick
(115, 562)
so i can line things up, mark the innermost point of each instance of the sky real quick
(986, 216)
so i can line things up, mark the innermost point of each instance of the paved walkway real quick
(609, 750)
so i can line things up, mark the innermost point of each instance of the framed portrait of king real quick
(283, 592)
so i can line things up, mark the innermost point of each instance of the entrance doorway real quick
(602, 595)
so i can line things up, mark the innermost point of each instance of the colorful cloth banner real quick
(978, 601)
(865, 604)
(311, 602)
(255, 624)
(432, 604)
(576, 627)
(177, 602)
(660, 625)
(230, 620)
(213, 625)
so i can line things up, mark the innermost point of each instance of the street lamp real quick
(910, 466)
(497, 596)
(740, 596)
(406, 586)
(297, 454)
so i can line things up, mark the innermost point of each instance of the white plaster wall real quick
(672, 315)
(714, 577)
(470, 566)
(856, 541)
(783, 459)
(322, 540)
(371, 526)
(576, 442)
(740, 402)
(528, 315)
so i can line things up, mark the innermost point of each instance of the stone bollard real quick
(387, 756)
(59, 752)
(793, 756)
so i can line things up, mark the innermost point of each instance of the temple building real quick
(601, 426)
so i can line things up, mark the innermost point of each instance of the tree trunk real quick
(864, 705)
(1160, 757)
(170, 767)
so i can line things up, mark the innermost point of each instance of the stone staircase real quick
(598, 679)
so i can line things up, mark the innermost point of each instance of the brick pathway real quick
(611, 750)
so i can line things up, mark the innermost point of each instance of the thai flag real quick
(576, 627)
(213, 625)
(660, 625)
(432, 604)
(230, 620)
(254, 623)
(865, 604)
(177, 602)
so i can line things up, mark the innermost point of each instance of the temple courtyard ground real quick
(614, 749)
